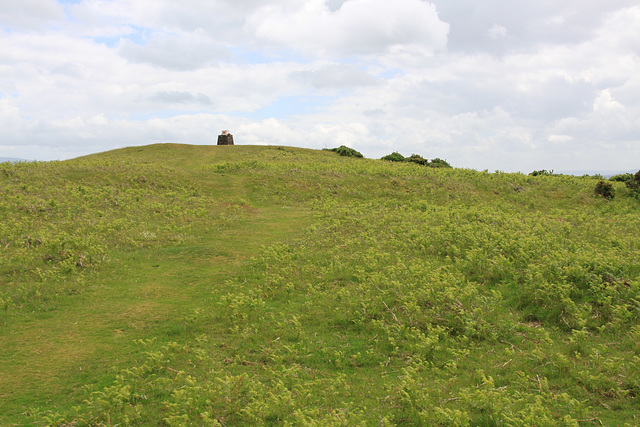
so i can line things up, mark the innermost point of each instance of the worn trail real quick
(134, 295)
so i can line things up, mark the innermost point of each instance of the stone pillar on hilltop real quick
(225, 138)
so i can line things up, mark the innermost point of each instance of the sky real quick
(487, 85)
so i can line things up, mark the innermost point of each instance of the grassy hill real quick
(244, 285)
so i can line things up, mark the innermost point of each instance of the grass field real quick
(245, 285)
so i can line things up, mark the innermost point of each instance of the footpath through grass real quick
(266, 285)
(46, 356)
(99, 253)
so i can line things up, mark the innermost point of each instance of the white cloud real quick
(334, 75)
(181, 97)
(530, 23)
(175, 52)
(620, 31)
(555, 20)
(497, 32)
(30, 14)
(560, 138)
(359, 27)
(10, 120)
(517, 86)
(605, 104)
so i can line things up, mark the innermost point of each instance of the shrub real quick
(416, 158)
(439, 163)
(623, 177)
(541, 172)
(394, 157)
(634, 183)
(346, 151)
(605, 189)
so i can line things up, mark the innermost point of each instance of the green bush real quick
(394, 157)
(416, 158)
(346, 151)
(605, 189)
(439, 163)
(634, 183)
(623, 177)
(541, 172)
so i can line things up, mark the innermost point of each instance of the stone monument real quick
(225, 138)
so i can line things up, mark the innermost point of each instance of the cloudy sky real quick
(493, 84)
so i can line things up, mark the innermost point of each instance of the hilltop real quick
(246, 285)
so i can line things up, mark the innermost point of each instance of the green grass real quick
(244, 285)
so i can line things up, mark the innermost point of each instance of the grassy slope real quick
(150, 276)
(191, 284)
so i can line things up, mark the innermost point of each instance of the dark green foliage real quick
(605, 189)
(394, 157)
(416, 158)
(623, 177)
(634, 184)
(439, 163)
(541, 172)
(346, 151)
